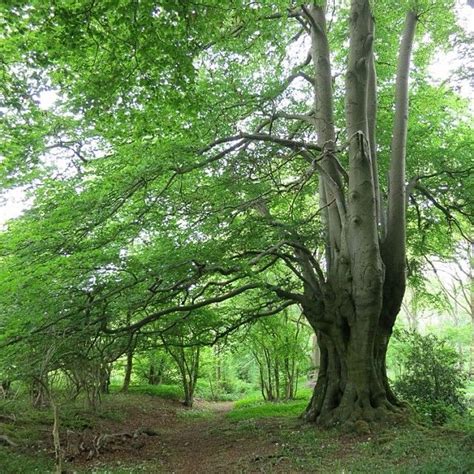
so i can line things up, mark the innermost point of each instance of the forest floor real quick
(144, 433)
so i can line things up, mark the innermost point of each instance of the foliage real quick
(432, 379)
(280, 346)
(169, 392)
(143, 214)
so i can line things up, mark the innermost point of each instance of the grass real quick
(402, 449)
(298, 446)
(254, 407)
(14, 462)
(407, 448)
(168, 392)
(267, 409)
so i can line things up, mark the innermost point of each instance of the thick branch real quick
(183, 308)
(396, 234)
(371, 124)
(394, 246)
(331, 182)
(264, 137)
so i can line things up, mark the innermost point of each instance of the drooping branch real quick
(293, 144)
(446, 210)
(222, 332)
(155, 316)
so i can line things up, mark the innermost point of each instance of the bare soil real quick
(157, 435)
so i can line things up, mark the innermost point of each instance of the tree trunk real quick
(128, 371)
(105, 372)
(155, 375)
(5, 388)
(39, 394)
(349, 386)
(354, 308)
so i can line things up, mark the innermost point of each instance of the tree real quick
(187, 359)
(280, 348)
(203, 179)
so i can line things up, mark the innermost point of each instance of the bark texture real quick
(353, 307)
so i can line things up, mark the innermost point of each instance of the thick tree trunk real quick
(351, 387)
(354, 309)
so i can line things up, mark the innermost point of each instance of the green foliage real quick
(233, 389)
(258, 410)
(431, 380)
(280, 347)
(253, 407)
(170, 392)
(134, 217)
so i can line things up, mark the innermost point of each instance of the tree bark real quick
(128, 371)
(353, 310)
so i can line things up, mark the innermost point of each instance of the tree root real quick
(356, 415)
(8, 418)
(6, 441)
(92, 446)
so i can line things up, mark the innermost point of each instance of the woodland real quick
(239, 237)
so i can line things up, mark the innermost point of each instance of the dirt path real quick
(214, 445)
(202, 440)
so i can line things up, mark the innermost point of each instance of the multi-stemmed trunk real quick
(354, 307)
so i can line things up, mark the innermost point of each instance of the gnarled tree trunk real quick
(353, 309)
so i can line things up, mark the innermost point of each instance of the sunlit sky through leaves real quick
(14, 202)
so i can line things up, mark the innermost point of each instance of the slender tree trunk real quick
(128, 371)
(5, 388)
(39, 394)
(105, 372)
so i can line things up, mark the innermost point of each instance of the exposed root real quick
(8, 418)
(91, 446)
(354, 415)
(6, 441)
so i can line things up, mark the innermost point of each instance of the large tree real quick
(221, 159)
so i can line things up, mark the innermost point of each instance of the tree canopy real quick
(210, 163)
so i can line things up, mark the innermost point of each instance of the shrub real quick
(432, 379)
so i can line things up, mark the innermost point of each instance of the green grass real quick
(253, 406)
(13, 462)
(299, 447)
(268, 409)
(400, 449)
(169, 392)
(406, 448)
(256, 397)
